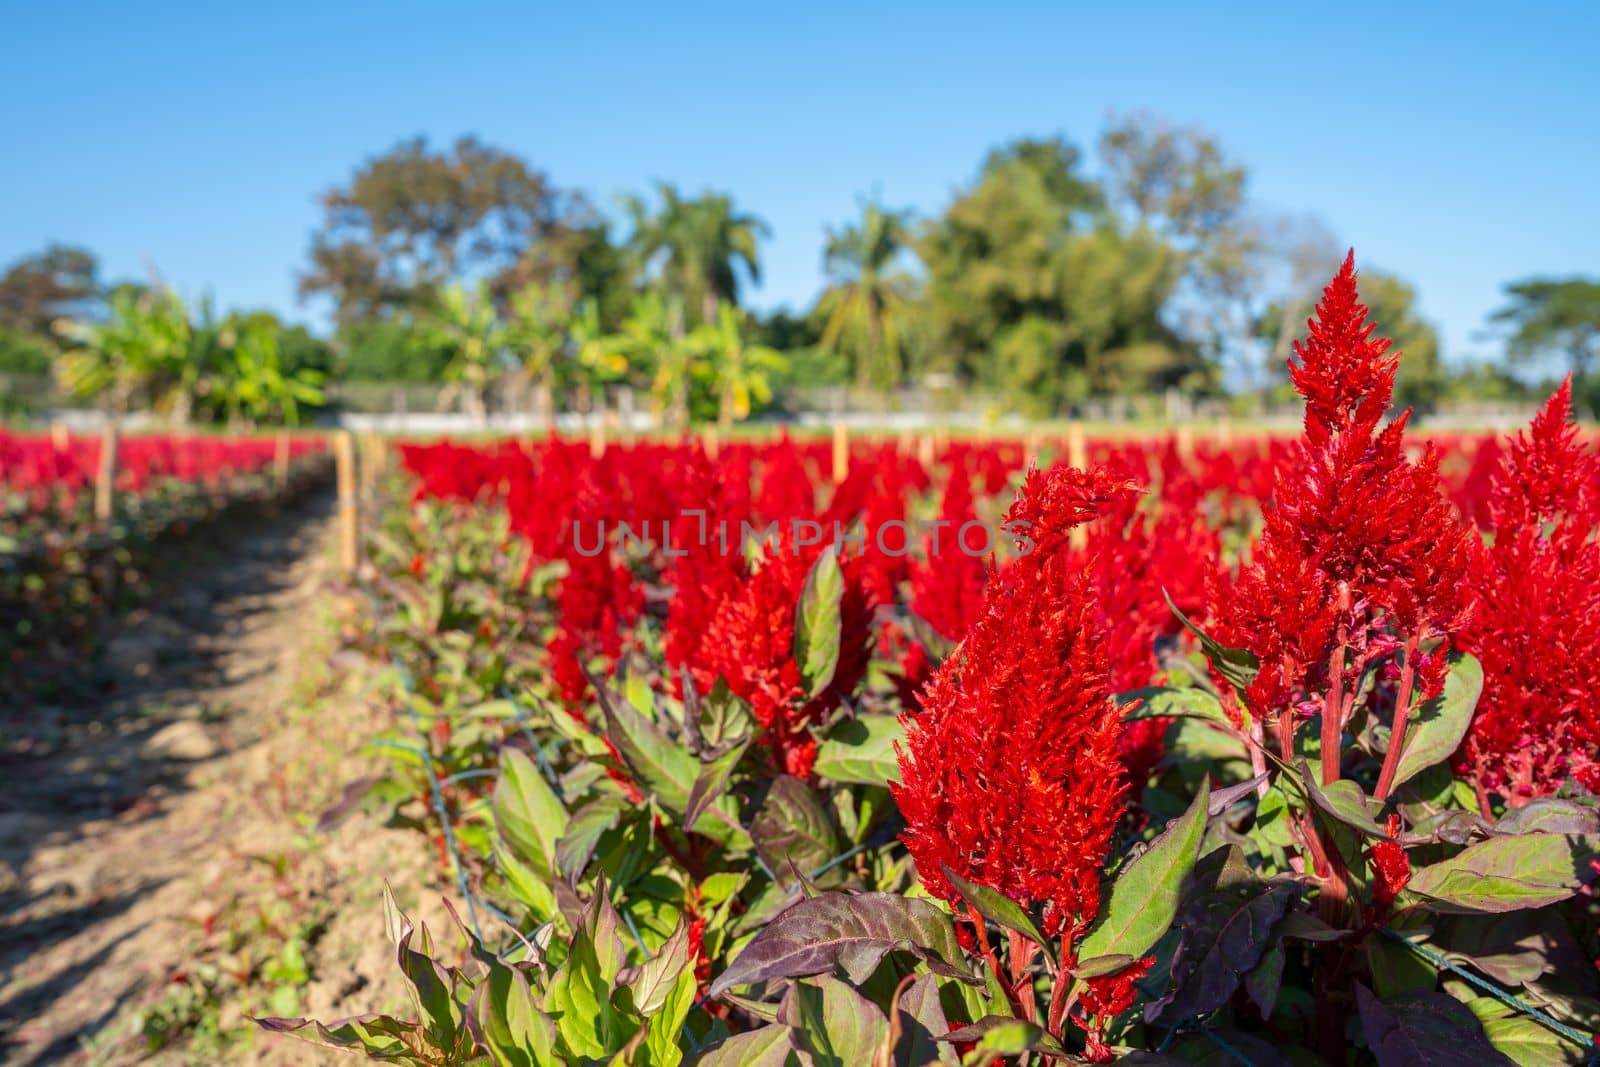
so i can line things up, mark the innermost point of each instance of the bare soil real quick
(161, 876)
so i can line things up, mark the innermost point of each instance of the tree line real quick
(1051, 279)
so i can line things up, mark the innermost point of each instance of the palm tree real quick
(739, 369)
(697, 246)
(466, 322)
(867, 306)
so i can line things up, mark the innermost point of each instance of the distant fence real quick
(429, 409)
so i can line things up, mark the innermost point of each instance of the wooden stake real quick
(597, 437)
(1185, 442)
(1224, 432)
(105, 480)
(60, 436)
(711, 441)
(925, 450)
(280, 461)
(841, 451)
(1077, 447)
(344, 453)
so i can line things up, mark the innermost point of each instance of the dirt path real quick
(157, 880)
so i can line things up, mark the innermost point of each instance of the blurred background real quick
(510, 214)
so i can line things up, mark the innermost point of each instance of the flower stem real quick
(1402, 715)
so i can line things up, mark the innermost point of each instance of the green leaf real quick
(995, 1037)
(817, 623)
(1506, 874)
(793, 826)
(649, 984)
(995, 906)
(657, 763)
(1144, 896)
(837, 1026)
(527, 813)
(1530, 1043)
(584, 831)
(1343, 801)
(578, 998)
(768, 1046)
(709, 803)
(528, 885)
(860, 751)
(1162, 702)
(509, 1022)
(922, 1022)
(1239, 666)
(1442, 722)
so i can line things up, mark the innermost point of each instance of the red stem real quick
(1402, 715)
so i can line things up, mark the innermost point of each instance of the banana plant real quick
(654, 335)
(466, 321)
(739, 370)
(141, 350)
(537, 332)
(253, 387)
(601, 357)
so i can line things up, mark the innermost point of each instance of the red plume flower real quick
(750, 643)
(1361, 549)
(1010, 776)
(1537, 627)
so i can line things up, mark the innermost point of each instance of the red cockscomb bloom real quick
(948, 583)
(1537, 627)
(750, 643)
(1391, 869)
(1010, 775)
(1361, 548)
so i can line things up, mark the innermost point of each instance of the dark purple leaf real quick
(837, 932)
(1425, 1030)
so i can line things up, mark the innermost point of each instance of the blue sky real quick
(1456, 144)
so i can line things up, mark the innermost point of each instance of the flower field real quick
(1268, 751)
(76, 530)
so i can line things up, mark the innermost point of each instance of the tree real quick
(600, 357)
(866, 306)
(1553, 316)
(1177, 183)
(696, 249)
(38, 291)
(740, 370)
(412, 219)
(1392, 304)
(991, 257)
(393, 350)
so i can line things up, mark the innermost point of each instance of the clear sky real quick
(1456, 144)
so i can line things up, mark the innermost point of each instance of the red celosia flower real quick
(1391, 869)
(1010, 775)
(1359, 540)
(1109, 995)
(1537, 627)
(750, 643)
(948, 583)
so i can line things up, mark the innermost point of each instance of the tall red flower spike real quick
(1537, 627)
(1361, 552)
(1010, 776)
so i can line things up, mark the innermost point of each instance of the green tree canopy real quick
(413, 219)
(1553, 316)
(37, 291)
